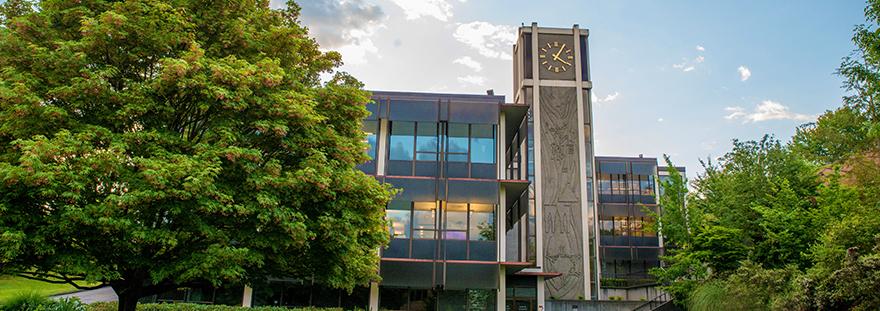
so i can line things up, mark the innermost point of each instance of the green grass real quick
(10, 286)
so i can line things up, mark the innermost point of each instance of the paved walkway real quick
(95, 295)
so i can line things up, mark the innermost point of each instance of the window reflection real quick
(482, 226)
(424, 220)
(401, 141)
(458, 142)
(398, 215)
(456, 221)
(371, 128)
(482, 143)
(427, 141)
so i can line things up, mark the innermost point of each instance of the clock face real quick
(556, 57)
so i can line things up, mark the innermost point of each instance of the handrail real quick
(654, 303)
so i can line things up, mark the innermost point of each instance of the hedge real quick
(111, 306)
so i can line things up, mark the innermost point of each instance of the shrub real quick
(111, 306)
(32, 301)
(25, 301)
(64, 304)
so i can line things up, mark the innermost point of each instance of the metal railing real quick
(655, 303)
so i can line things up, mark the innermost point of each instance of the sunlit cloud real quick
(414, 9)
(469, 62)
(765, 111)
(493, 41)
(744, 73)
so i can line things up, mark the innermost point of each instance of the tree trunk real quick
(128, 296)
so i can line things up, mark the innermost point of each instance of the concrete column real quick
(374, 296)
(502, 289)
(247, 298)
(541, 296)
(381, 149)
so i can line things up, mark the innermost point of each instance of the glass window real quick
(647, 185)
(606, 226)
(456, 221)
(482, 143)
(621, 226)
(427, 141)
(371, 128)
(402, 141)
(634, 185)
(458, 134)
(482, 227)
(605, 183)
(424, 219)
(398, 216)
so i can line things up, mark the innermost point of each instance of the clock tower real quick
(551, 75)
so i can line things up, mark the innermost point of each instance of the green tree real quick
(150, 144)
(834, 136)
(677, 218)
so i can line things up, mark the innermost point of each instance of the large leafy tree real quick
(150, 144)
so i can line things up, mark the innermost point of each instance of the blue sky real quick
(682, 78)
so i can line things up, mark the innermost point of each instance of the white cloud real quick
(469, 62)
(607, 98)
(414, 9)
(766, 110)
(690, 64)
(744, 73)
(471, 79)
(493, 41)
(660, 120)
(343, 25)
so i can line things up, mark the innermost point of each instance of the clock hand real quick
(559, 59)
(559, 52)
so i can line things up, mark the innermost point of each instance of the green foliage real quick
(750, 287)
(25, 301)
(110, 306)
(33, 301)
(679, 220)
(148, 144)
(834, 136)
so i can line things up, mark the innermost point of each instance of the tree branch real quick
(59, 279)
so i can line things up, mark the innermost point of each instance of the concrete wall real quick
(633, 294)
(599, 305)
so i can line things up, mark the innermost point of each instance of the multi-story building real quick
(499, 209)
(628, 246)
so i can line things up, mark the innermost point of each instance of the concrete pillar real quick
(502, 289)
(247, 298)
(374, 296)
(541, 298)
(381, 147)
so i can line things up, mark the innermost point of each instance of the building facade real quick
(503, 204)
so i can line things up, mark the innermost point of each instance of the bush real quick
(24, 301)
(32, 301)
(111, 306)
(64, 304)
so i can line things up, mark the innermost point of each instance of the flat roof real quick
(619, 158)
(471, 97)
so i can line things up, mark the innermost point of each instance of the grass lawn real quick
(10, 286)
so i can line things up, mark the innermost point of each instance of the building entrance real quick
(522, 294)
